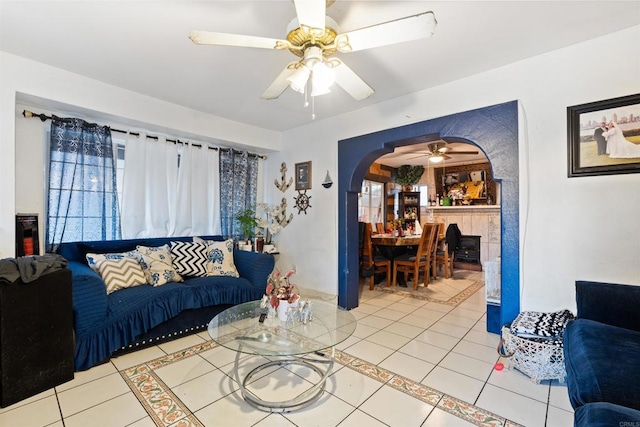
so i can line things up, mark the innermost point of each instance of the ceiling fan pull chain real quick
(308, 90)
(306, 94)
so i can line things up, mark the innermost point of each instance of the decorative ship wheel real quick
(302, 201)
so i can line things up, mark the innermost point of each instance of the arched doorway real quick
(494, 129)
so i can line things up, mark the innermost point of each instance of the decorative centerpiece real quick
(281, 293)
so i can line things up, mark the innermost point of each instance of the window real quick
(82, 198)
(424, 195)
(370, 202)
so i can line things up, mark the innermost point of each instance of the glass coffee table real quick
(309, 345)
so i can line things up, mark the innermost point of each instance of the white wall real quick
(31, 146)
(24, 79)
(575, 228)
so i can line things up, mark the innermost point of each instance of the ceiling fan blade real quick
(438, 156)
(225, 39)
(350, 81)
(280, 84)
(416, 157)
(397, 31)
(311, 13)
(462, 152)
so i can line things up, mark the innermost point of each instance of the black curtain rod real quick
(43, 117)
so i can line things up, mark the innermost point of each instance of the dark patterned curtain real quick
(83, 201)
(238, 188)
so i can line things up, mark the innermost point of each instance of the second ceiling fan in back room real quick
(438, 151)
(314, 38)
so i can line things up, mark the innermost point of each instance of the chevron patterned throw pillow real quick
(121, 273)
(189, 259)
(94, 259)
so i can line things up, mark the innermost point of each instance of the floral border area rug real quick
(166, 409)
(444, 291)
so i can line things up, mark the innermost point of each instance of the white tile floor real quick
(437, 345)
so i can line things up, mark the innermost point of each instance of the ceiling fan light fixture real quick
(298, 81)
(322, 77)
(317, 90)
(436, 159)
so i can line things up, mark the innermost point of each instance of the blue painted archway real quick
(495, 130)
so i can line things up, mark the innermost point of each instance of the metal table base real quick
(304, 399)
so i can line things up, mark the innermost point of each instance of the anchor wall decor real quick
(281, 216)
(283, 185)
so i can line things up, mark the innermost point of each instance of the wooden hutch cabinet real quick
(402, 203)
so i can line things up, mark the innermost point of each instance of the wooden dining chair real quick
(445, 260)
(435, 246)
(370, 259)
(444, 257)
(380, 228)
(411, 264)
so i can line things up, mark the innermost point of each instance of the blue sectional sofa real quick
(602, 355)
(131, 318)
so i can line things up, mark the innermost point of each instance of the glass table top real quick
(238, 329)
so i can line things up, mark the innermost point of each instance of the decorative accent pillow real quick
(533, 324)
(220, 258)
(94, 259)
(189, 258)
(121, 273)
(157, 266)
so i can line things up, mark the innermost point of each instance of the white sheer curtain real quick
(160, 199)
(198, 204)
(150, 187)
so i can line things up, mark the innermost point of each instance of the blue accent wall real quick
(494, 130)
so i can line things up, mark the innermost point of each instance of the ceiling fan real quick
(314, 37)
(438, 151)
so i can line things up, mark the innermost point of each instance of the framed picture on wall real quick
(303, 176)
(604, 137)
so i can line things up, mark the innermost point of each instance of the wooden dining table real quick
(391, 240)
(391, 246)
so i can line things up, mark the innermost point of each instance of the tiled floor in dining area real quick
(407, 360)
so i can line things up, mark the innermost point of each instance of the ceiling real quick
(143, 46)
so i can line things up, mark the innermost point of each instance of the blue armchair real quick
(602, 354)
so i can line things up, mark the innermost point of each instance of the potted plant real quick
(248, 222)
(407, 175)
